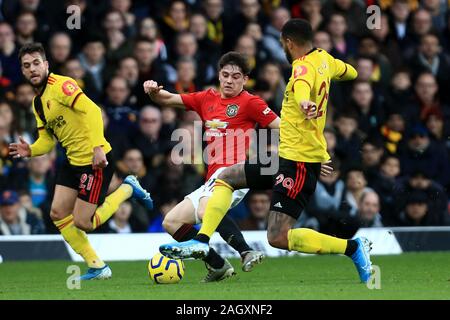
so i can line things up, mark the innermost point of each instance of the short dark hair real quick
(298, 30)
(235, 59)
(32, 48)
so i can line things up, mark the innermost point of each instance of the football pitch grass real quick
(406, 276)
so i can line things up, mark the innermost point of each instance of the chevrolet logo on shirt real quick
(216, 124)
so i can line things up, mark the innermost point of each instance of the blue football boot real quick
(97, 273)
(138, 192)
(361, 259)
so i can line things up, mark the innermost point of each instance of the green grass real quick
(407, 276)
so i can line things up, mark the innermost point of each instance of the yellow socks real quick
(217, 207)
(111, 205)
(310, 241)
(79, 242)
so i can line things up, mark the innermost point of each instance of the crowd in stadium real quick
(387, 132)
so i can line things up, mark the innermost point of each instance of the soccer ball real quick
(164, 270)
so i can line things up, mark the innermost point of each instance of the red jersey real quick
(228, 124)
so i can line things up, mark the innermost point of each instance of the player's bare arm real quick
(20, 150)
(161, 96)
(275, 124)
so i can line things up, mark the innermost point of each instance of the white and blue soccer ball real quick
(163, 270)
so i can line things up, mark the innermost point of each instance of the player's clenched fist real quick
(309, 109)
(151, 87)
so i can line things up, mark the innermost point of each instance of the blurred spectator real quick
(8, 54)
(246, 45)
(149, 67)
(93, 61)
(15, 219)
(114, 28)
(368, 46)
(60, 46)
(387, 42)
(355, 186)
(122, 115)
(400, 11)
(344, 44)
(124, 6)
(429, 58)
(436, 197)
(149, 30)
(327, 198)
(398, 98)
(385, 186)
(201, 29)
(439, 131)
(426, 89)
(437, 9)
(352, 11)
(186, 71)
(5, 160)
(417, 212)
(348, 138)
(39, 181)
(128, 70)
(259, 207)
(254, 30)
(364, 103)
(322, 40)
(26, 26)
(116, 138)
(311, 11)
(249, 11)
(175, 20)
(215, 21)
(371, 153)
(26, 202)
(426, 155)
(330, 137)
(271, 72)
(272, 34)
(187, 47)
(393, 131)
(23, 113)
(11, 125)
(148, 139)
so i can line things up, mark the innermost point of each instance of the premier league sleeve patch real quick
(232, 110)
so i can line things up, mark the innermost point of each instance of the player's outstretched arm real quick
(162, 97)
(343, 71)
(44, 144)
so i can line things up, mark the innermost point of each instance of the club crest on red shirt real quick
(232, 110)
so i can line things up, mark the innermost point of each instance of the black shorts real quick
(292, 186)
(92, 185)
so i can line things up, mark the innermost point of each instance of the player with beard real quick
(65, 114)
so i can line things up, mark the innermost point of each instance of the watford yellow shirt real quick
(63, 111)
(302, 140)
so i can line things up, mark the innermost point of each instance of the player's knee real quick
(226, 176)
(82, 224)
(57, 214)
(169, 224)
(200, 213)
(277, 239)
